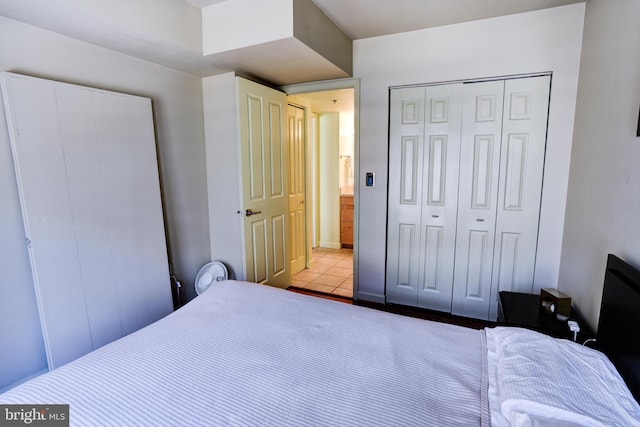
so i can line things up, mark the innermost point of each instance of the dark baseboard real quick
(420, 313)
(423, 313)
(320, 294)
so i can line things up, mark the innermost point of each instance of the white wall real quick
(223, 166)
(603, 206)
(177, 23)
(546, 40)
(267, 21)
(177, 103)
(329, 186)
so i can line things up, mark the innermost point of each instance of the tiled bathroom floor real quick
(331, 272)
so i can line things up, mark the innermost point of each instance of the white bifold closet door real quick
(424, 151)
(465, 182)
(477, 195)
(89, 188)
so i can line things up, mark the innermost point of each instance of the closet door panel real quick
(40, 167)
(477, 196)
(131, 192)
(443, 113)
(89, 211)
(407, 247)
(406, 155)
(520, 189)
(89, 189)
(464, 195)
(478, 250)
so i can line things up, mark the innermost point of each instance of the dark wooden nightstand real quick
(518, 309)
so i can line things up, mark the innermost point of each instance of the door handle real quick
(249, 212)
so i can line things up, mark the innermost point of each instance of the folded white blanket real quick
(536, 380)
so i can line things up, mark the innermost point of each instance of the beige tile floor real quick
(331, 272)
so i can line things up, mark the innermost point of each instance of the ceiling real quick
(370, 18)
(172, 34)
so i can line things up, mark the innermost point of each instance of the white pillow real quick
(536, 380)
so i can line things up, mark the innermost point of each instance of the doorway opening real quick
(330, 175)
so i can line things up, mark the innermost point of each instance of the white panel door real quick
(423, 156)
(264, 157)
(88, 182)
(297, 211)
(406, 148)
(478, 192)
(465, 184)
(443, 114)
(524, 126)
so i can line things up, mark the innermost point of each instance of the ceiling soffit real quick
(295, 43)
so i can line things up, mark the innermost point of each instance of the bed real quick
(248, 354)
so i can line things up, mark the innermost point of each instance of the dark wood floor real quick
(403, 310)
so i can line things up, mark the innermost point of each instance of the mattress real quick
(247, 354)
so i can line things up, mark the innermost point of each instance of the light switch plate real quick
(370, 179)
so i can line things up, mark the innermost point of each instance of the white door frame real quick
(325, 85)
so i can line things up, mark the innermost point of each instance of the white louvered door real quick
(465, 180)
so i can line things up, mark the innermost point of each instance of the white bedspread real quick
(247, 354)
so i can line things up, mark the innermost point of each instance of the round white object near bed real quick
(212, 272)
